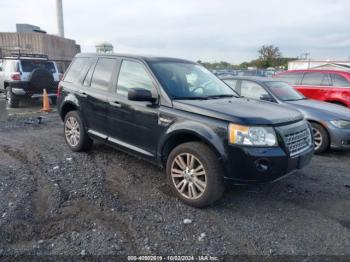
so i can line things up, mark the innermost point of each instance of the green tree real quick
(269, 52)
(269, 56)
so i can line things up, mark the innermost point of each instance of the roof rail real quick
(25, 55)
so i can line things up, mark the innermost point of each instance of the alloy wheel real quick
(318, 140)
(72, 131)
(188, 176)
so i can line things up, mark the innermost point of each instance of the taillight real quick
(16, 76)
(59, 91)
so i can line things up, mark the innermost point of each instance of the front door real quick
(133, 125)
(252, 90)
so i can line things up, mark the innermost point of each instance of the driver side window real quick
(252, 90)
(133, 75)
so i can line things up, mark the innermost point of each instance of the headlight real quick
(341, 123)
(252, 136)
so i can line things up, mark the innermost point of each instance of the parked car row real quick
(330, 122)
(179, 116)
(245, 72)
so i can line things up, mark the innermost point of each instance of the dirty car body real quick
(187, 104)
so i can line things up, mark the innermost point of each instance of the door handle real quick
(115, 104)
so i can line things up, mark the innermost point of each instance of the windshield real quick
(30, 65)
(190, 81)
(283, 91)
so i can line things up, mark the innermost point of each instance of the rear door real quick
(94, 95)
(132, 124)
(340, 90)
(315, 85)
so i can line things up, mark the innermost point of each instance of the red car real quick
(326, 85)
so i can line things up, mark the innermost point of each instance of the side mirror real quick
(140, 94)
(267, 97)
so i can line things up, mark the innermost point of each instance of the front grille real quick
(298, 141)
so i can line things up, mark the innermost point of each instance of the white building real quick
(319, 64)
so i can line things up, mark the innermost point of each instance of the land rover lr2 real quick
(177, 115)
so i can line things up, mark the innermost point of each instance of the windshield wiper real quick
(191, 98)
(295, 99)
(221, 96)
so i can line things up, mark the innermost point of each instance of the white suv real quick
(25, 76)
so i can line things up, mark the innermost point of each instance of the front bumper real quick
(261, 165)
(340, 137)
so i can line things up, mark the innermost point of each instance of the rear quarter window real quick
(340, 81)
(78, 70)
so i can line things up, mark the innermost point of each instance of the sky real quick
(209, 30)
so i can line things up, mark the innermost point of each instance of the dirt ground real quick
(104, 202)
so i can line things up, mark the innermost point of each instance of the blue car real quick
(330, 122)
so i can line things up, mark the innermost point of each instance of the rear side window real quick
(29, 65)
(339, 80)
(315, 79)
(78, 70)
(292, 78)
(103, 73)
(133, 75)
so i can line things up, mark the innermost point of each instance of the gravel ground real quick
(104, 202)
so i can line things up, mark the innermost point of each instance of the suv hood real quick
(323, 110)
(241, 111)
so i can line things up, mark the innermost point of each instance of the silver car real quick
(330, 122)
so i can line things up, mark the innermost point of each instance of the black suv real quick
(178, 115)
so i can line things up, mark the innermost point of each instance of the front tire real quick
(194, 174)
(321, 138)
(75, 134)
(11, 98)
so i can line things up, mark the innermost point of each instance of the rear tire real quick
(75, 134)
(12, 99)
(321, 138)
(195, 174)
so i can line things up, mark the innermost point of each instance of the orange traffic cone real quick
(46, 105)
